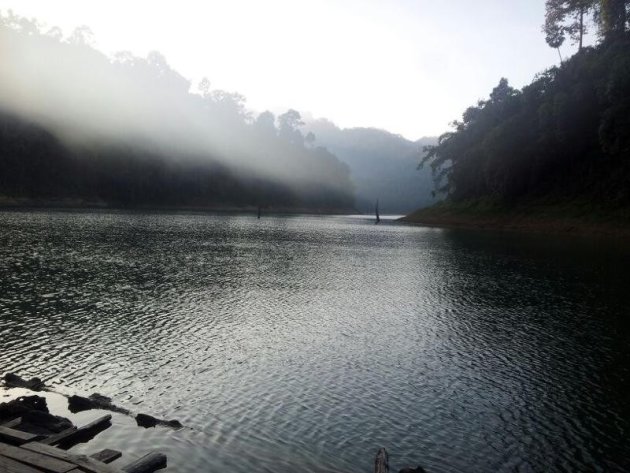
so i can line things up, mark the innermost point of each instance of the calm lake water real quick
(306, 343)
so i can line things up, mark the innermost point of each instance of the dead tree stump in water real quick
(381, 463)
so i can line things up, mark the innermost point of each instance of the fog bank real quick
(87, 99)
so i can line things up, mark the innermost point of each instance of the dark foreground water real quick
(305, 343)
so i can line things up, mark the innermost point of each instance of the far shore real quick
(550, 218)
(21, 203)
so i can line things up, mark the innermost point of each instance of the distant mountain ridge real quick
(382, 165)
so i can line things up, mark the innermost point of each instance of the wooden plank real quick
(70, 437)
(13, 423)
(43, 462)
(107, 418)
(107, 455)
(147, 464)
(56, 438)
(11, 466)
(16, 437)
(82, 461)
(381, 463)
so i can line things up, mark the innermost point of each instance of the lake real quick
(305, 343)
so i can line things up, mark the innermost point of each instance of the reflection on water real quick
(305, 343)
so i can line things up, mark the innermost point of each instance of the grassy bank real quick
(574, 217)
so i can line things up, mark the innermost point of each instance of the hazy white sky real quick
(409, 66)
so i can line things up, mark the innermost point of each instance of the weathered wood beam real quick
(43, 462)
(107, 455)
(56, 438)
(17, 437)
(82, 461)
(11, 466)
(70, 437)
(13, 423)
(147, 464)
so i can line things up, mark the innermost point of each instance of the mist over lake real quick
(316, 237)
(307, 342)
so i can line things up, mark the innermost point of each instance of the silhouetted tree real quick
(204, 87)
(266, 123)
(557, 136)
(82, 35)
(289, 124)
(567, 17)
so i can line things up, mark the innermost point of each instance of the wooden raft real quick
(23, 452)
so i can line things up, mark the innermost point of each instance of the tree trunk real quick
(581, 29)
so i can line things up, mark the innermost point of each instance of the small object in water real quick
(80, 403)
(378, 217)
(147, 421)
(95, 401)
(12, 380)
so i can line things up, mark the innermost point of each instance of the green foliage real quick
(566, 134)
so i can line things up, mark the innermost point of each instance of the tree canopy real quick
(572, 18)
(566, 135)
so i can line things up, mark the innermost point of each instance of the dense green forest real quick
(382, 165)
(78, 126)
(564, 137)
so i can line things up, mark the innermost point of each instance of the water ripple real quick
(306, 343)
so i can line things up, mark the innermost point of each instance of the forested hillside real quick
(563, 138)
(382, 165)
(79, 126)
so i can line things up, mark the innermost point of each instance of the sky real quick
(407, 66)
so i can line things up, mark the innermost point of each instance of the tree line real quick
(566, 135)
(192, 146)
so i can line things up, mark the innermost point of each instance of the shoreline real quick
(26, 204)
(556, 219)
